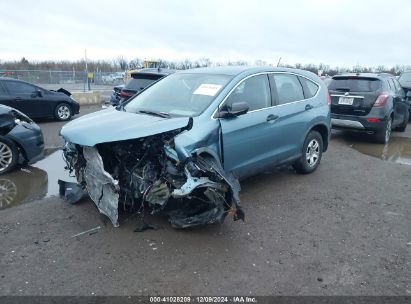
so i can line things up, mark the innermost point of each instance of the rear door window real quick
(16, 87)
(288, 87)
(354, 84)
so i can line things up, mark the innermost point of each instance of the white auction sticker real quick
(207, 89)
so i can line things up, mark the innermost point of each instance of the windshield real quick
(354, 84)
(405, 77)
(181, 94)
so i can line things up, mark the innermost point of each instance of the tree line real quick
(120, 64)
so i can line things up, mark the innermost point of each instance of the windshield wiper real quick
(120, 107)
(159, 114)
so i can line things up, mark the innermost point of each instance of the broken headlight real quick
(20, 118)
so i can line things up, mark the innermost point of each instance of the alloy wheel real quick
(63, 112)
(8, 192)
(6, 156)
(312, 154)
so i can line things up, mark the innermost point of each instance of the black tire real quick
(311, 154)
(383, 136)
(403, 126)
(63, 112)
(9, 155)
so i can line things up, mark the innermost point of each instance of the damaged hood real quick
(111, 125)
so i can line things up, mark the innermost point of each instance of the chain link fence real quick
(64, 77)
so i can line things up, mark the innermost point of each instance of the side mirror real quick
(234, 110)
(37, 93)
(238, 108)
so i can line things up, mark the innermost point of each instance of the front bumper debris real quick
(146, 172)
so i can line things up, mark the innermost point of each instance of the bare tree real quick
(136, 63)
(122, 63)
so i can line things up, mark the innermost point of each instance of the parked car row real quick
(37, 102)
(187, 138)
(21, 139)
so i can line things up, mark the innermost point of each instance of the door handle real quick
(308, 107)
(272, 118)
(17, 99)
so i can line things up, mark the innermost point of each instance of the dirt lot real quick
(344, 230)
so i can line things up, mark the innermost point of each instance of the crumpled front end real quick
(147, 173)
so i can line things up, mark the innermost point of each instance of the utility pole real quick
(278, 63)
(86, 81)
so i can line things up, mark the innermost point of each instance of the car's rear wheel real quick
(312, 153)
(383, 136)
(404, 124)
(9, 155)
(63, 112)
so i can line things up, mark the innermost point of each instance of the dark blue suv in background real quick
(372, 103)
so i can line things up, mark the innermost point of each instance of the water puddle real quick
(398, 150)
(33, 182)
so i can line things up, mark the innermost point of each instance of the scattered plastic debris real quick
(90, 231)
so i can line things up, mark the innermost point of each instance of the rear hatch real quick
(138, 83)
(353, 95)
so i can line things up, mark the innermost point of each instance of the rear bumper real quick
(357, 123)
(30, 139)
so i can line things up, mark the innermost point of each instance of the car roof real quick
(153, 71)
(8, 78)
(245, 70)
(365, 75)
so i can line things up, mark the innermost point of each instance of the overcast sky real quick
(335, 32)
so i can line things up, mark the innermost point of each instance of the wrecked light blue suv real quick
(181, 145)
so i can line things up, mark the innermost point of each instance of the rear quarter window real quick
(310, 87)
(355, 84)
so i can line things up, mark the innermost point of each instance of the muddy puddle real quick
(398, 150)
(33, 182)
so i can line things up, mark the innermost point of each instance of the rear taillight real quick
(125, 94)
(381, 100)
(328, 99)
(373, 120)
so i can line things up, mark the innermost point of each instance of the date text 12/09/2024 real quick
(203, 299)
